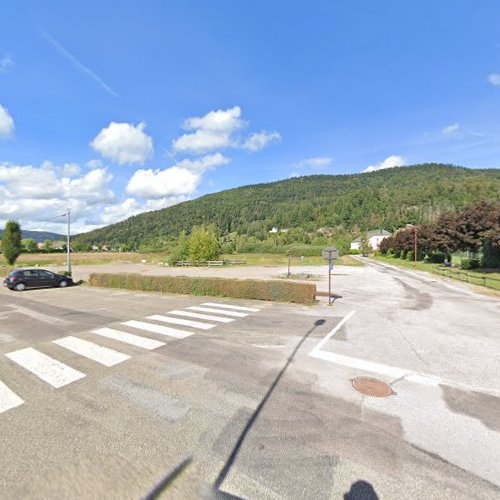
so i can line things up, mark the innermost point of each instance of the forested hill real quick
(385, 198)
(38, 236)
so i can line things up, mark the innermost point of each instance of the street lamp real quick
(414, 245)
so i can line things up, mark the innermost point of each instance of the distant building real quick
(273, 230)
(40, 246)
(58, 245)
(374, 239)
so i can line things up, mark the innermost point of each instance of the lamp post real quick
(68, 247)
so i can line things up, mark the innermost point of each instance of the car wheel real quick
(20, 287)
(63, 284)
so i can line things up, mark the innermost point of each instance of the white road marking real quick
(201, 316)
(38, 316)
(230, 306)
(103, 355)
(369, 366)
(162, 330)
(332, 333)
(128, 338)
(218, 311)
(183, 322)
(48, 369)
(8, 398)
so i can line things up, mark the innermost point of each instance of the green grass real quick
(481, 278)
(264, 259)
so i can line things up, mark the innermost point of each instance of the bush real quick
(469, 264)
(437, 257)
(280, 291)
(491, 255)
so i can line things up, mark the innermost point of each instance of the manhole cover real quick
(372, 387)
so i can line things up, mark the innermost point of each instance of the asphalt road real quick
(259, 407)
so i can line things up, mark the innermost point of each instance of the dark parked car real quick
(35, 278)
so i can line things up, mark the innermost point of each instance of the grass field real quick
(264, 259)
(59, 259)
(488, 279)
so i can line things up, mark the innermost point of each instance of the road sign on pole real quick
(330, 254)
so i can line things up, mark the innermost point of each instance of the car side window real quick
(45, 275)
(30, 274)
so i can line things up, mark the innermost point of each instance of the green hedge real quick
(280, 291)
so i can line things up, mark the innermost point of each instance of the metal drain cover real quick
(372, 387)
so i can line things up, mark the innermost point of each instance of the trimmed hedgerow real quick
(279, 291)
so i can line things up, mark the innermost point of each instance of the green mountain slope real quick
(386, 198)
(39, 236)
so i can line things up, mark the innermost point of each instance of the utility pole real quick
(68, 249)
(415, 249)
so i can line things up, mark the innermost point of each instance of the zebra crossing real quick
(57, 374)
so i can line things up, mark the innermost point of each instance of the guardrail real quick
(465, 276)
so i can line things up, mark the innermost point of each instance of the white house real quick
(374, 239)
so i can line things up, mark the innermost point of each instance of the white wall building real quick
(374, 239)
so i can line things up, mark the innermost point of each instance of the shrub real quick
(280, 291)
(469, 264)
(437, 257)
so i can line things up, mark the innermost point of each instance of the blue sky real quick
(116, 108)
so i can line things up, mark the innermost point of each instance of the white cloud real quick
(6, 123)
(294, 175)
(211, 131)
(317, 162)
(259, 140)
(450, 129)
(71, 170)
(30, 194)
(494, 79)
(6, 63)
(389, 162)
(131, 207)
(181, 179)
(115, 213)
(124, 143)
(219, 130)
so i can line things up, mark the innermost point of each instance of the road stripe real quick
(183, 322)
(128, 338)
(8, 398)
(100, 354)
(218, 311)
(230, 306)
(369, 366)
(48, 369)
(333, 332)
(162, 330)
(201, 316)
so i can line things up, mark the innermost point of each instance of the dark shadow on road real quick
(232, 457)
(167, 480)
(361, 490)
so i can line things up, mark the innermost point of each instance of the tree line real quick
(475, 230)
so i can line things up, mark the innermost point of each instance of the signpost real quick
(330, 254)
(289, 257)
